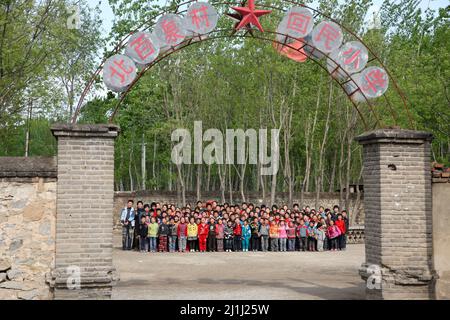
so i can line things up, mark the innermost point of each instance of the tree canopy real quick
(225, 83)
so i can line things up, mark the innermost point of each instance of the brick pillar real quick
(398, 209)
(84, 220)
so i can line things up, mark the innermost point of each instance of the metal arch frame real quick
(199, 39)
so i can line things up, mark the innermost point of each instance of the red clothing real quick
(182, 230)
(290, 232)
(237, 230)
(341, 225)
(202, 243)
(219, 231)
(203, 230)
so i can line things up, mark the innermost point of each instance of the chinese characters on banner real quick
(170, 30)
(119, 72)
(351, 58)
(374, 82)
(297, 23)
(327, 36)
(143, 48)
(201, 18)
(371, 83)
(297, 38)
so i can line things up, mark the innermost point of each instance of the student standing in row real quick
(264, 233)
(153, 229)
(254, 226)
(172, 235)
(220, 235)
(246, 235)
(163, 233)
(237, 235)
(228, 235)
(143, 234)
(182, 234)
(291, 236)
(192, 235)
(202, 235)
(282, 236)
(274, 234)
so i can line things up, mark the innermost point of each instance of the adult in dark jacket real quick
(137, 220)
(212, 235)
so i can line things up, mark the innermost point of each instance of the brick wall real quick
(398, 226)
(84, 210)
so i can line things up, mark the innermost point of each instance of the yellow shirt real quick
(192, 230)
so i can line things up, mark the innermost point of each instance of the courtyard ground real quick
(225, 276)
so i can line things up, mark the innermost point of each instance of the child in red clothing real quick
(340, 223)
(203, 230)
(237, 231)
(291, 236)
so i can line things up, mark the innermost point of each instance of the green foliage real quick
(244, 83)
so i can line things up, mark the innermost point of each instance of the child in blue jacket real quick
(246, 235)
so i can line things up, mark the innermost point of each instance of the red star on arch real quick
(249, 15)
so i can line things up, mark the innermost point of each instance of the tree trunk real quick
(199, 182)
(182, 184)
(333, 173)
(208, 179)
(319, 178)
(273, 189)
(27, 134)
(154, 158)
(144, 163)
(129, 170)
(230, 184)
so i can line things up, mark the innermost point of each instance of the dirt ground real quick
(235, 276)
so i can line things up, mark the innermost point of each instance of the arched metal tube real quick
(190, 41)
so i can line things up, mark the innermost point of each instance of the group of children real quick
(226, 228)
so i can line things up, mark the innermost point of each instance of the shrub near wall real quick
(27, 226)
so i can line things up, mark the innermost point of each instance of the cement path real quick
(235, 276)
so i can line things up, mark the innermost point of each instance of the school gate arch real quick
(396, 177)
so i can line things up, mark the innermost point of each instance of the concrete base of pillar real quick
(91, 283)
(388, 284)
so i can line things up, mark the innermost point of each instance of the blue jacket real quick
(311, 231)
(302, 231)
(123, 216)
(246, 232)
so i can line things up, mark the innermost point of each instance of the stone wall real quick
(27, 226)
(327, 199)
